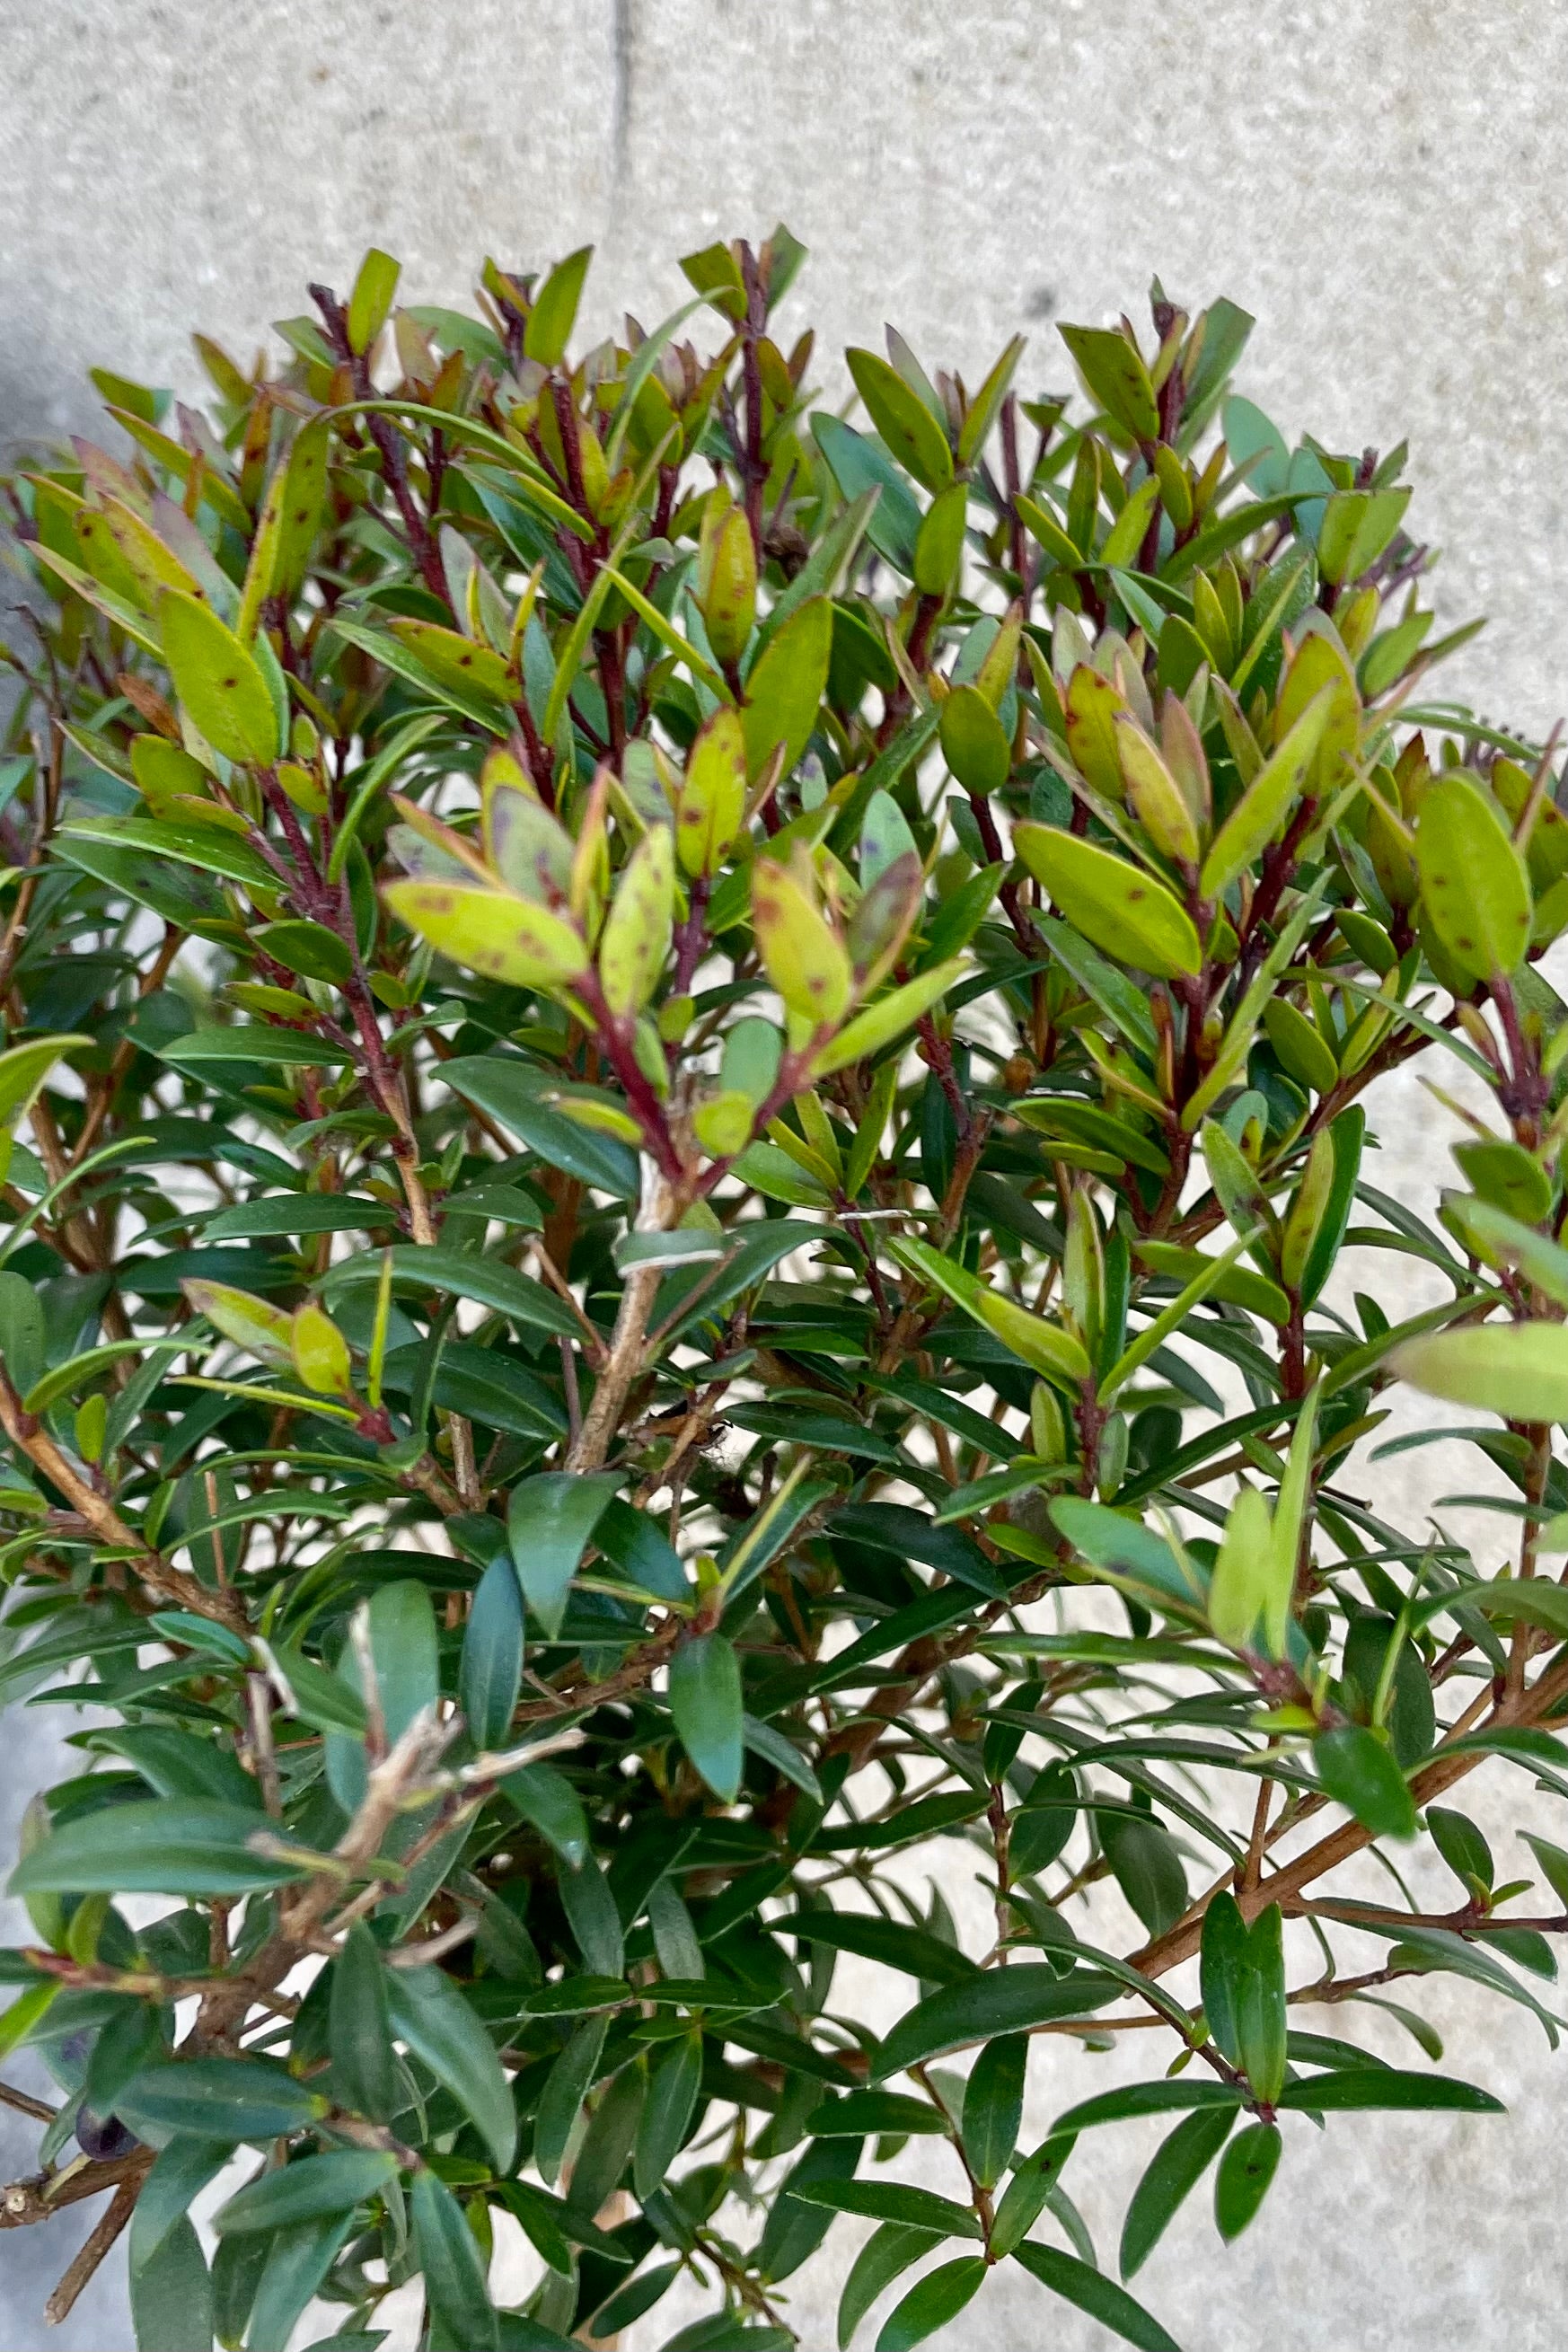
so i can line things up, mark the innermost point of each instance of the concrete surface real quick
(1378, 180)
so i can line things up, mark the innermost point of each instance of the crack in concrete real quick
(623, 60)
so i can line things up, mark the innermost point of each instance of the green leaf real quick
(25, 2012)
(371, 300)
(309, 2190)
(860, 2115)
(430, 2014)
(1147, 1867)
(705, 1700)
(364, 2069)
(491, 1671)
(1300, 1049)
(449, 2258)
(1552, 1860)
(166, 1848)
(993, 2106)
(938, 2297)
(461, 1274)
(1517, 1370)
(761, 1739)
(1167, 2097)
(1128, 1553)
(667, 2112)
(902, 418)
(219, 681)
(548, 1801)
(1091, 2291)
(784, 687)
(231, 2099)
(593, 1919)
(973, 741)
(171, 2295)
(860, 467)
(523, 1098)
(297, 2261)
(1543, 1262)
(183, 2170)
(1359, 2089)
(550, 1520)
(300, 1212)
(1242, 2183)
(1243, 1986)
(1475, 887)
(1113, 370)
(913, 1950)
(891, 2201)
(249, 1042)
(565, 2088)
(886, 1018)
(1267, 801)
(1174, 2170)
(939, 547)
(1359, 1773)
(1004, 2001)
(886, 2252)
(1117, 906)
(1050, 1349)
(554, 311)
(23, 1068)
(177, 1763)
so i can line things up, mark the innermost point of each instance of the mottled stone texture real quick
(1378, 180)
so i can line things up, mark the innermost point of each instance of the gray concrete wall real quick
(1378, 180)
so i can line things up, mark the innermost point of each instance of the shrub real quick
(692, 1078)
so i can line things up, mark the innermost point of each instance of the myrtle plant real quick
(684, 1081)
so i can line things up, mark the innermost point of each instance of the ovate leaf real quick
(1474, 884)
(706, 1702)
(219, 681)
(1117, 906)
(1517, 1370)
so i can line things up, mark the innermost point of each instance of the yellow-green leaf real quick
(1119, 908)
(1263, 808)
(939, 544)
(219, 681)
(320, 1352)
(263, 1330)
(1114, 373)
(24, 1069)
(1092, 705)
(726, 577)
(304, 503)
(1517, 1370)
(455, 660)
(1302, 1052)
(491, 931)
(636, 937)
(554, 311)
(973, 741)
(372, 298)
(1474, 886)
(908, 427)
(881, 1023)
(712, 799)
(1046, 1345)
(1319, 664)
(802, 955)
(1160, 804)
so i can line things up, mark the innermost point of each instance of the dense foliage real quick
(684, 1084)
